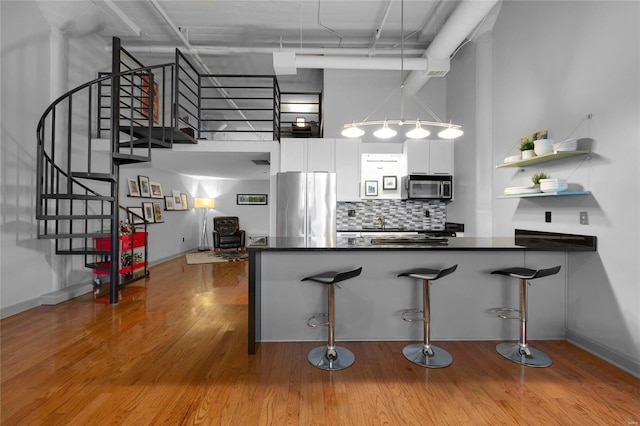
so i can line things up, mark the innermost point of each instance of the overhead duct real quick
(464, 19)
(286, 63)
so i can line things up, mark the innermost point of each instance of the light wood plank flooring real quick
(178, 355)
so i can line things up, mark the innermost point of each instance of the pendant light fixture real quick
(450, 131)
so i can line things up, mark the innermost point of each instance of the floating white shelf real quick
(546, 194)
(543, 158)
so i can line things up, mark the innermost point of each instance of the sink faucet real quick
(381, 220)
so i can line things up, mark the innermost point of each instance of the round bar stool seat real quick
(425, 354)
(331, 357)
(521, 352)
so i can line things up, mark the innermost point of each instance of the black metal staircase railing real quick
(77, 180)
(118, 118)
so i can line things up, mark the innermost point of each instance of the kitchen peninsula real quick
(368, 307)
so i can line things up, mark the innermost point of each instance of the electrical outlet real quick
(427, 213)
(584, 218)
(547, 217)
(351, 213)
(183, 239)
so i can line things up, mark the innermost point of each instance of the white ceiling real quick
(219, 165)
(239, 37)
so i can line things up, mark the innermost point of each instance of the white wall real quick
(35, 71)
(28, 264)
(166, 238)
(254, 219)
(555, 62)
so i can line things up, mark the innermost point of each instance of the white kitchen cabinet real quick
(321, 155)
(429, 157)
(347, 161)
(293, 155)
(307, 155)
(416, 153)
(441, 157)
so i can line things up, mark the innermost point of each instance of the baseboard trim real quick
(18, 308)
(611, 356)
(65, 294)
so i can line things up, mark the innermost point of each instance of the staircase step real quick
(167, 134)
(80, 251)
(106, 177)
(144, 142)
(72, 236)
(77, 197)
(74, 216)
(119, 158)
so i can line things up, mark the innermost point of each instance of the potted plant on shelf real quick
(537, 177)
(526, 147)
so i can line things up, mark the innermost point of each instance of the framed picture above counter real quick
(389, 182)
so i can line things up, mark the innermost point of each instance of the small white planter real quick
(529, 153)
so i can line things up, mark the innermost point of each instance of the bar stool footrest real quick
(506, 313)
(406, 315)
(313, 322)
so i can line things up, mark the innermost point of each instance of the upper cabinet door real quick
(441, 157)
(293, 155)
(416, 153)
(321, 155)
(348, 169)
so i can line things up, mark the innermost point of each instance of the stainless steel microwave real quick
(427, 187)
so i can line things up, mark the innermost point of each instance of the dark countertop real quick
(522, 240)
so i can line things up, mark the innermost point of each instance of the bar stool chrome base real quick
(524, 355)
(437, 358)
(320, 357)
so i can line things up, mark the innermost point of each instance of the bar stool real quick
(426, 354)
(521, 352)
(330, 357)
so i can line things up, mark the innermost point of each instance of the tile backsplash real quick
(409, 214)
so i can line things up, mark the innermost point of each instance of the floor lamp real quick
(205, 204)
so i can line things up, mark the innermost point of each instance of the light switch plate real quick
(584, 218)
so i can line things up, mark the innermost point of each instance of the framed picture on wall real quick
(168, 203)
(145, 189)
(134, 189)
(149, 215)
(157, 213)
(156, 190)
(177, 200)
(251, 199)
(389, 182)
(371, 188)
(136, 215)
(183, 201)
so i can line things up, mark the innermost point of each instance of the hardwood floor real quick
(178, 355)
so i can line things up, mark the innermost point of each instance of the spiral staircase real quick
(83, 138)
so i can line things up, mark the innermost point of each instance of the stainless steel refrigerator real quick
(306, 206)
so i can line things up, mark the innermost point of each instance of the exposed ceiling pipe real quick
(381, 26)
(122, 16)
(358, 63)
(464, 19)
(199, 60)
(227, 50)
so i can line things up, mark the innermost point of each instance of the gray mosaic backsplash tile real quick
(408, 214)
